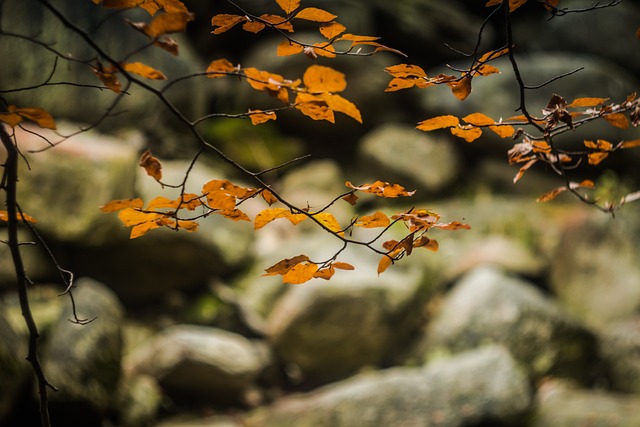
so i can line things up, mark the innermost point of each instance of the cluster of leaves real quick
(224, 198)
(556, 118)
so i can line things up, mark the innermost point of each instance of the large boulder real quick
(483, 385)
(561, 404)
(419, 161)
(200, 364)
(595, 270)
(487, 306)
(83, 359)
(620, 346)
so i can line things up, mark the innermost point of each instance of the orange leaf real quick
(461, 88)
(219, 68)
(234, 215)
(188, 225)
(322, 49)
(168, 23)
(491, 55)
(382, 189)
(384, 263)
(478, 119)
(258, 116)
(503, 131)
(300, 273)
(286, 48)
(161, 202)
(268, 197)
(224, 22)
(486, 70)
(405, 70)
(453, 225)
(288, 6)
(116, 205)
(469, 135)
(343, 266)
(107, 75)
(342, 105)
(266, 216)
(631, 144)
(351, 198)
(378, 219)
(587, 102)
(318, 78)
(427, 243)
(618, 120)
(399, 84)
(282, 267)
(550, 195)
(12, 119)
(357, 39)
(38, 115)
(264, 80)
(314, 107)
(315, 14)
(278, 22)
(332, 29)
(439, 122)
(151, 165)
(144, 71)
(253, 26)
(4, 216)
(523, 169)
(169, 44)
(325, 273)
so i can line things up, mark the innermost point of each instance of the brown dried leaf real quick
(151, 165)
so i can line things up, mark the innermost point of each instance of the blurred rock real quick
(404, 155)
(486, 306)
(559, 404)
(620, 349)
(139, 401)
(14, 369)
(595, 271)
(83, 361)
(200, 364)
(482, 385)
(36, 264)
(70, 182)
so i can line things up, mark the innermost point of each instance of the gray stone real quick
(163, 260)
(595, 271)
(196, 363)
(14, 369)
(559, 404)
(37, 265)
(620, 347)
(482, 385)
(71, 181)
(139, 401)
(83, 360)
(487, 306)
(316, 328)
(403, 154)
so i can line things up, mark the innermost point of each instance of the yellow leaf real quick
(332, 29)
(324, 273)
(168, 23)
(342, 105)
(286, 48)
(378, 219)
(314, 107)
(258, 116)
(278, 22)
(4, 216)
(468, 135)
(219, 68)
(116, 205)
(131, 217)
(587, 102)
(141, 229)
(151, 165)
(322, 49)
(328, 220)
(318, 78)
(315, 14)
(618, 120)
(288, 6)
(266, 216)
(253, 26)
(300, 273)
(224, 22)
(439, 122)
(144, 71)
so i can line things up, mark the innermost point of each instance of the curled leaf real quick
(151, 165)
